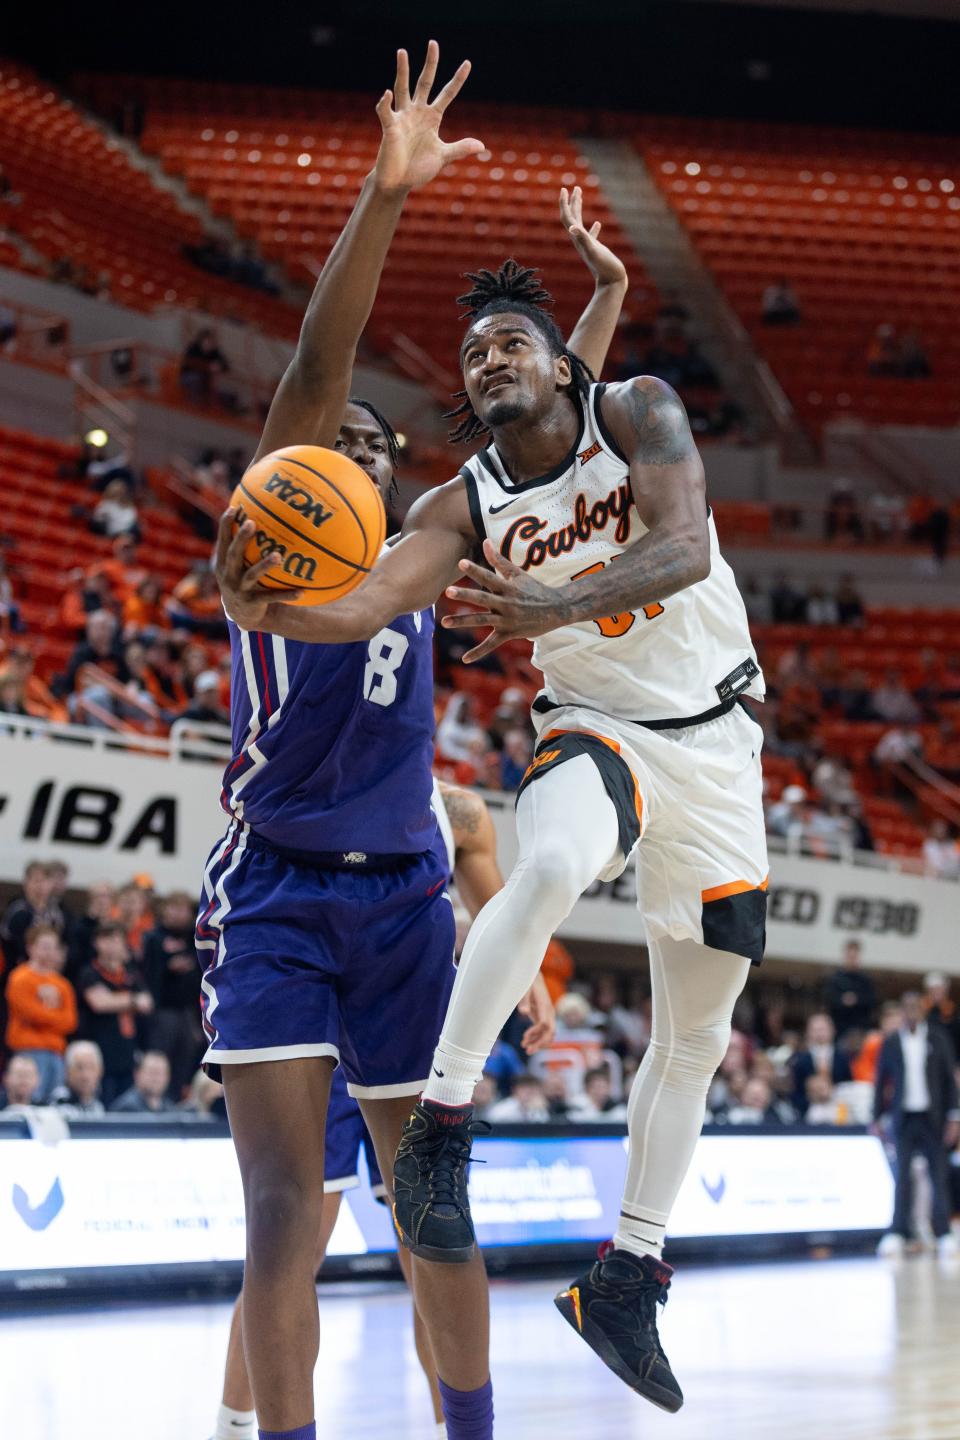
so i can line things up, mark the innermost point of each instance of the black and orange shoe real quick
(431, 1210)
(614, 1308)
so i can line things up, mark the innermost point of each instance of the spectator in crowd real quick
(113, 1000)
(84, 595)
(916, 1086)
(785, 817)
(41, 1006)
(780, 304)
(822, 609)
(941, 853)
(557, 969)
(205, 1098)
(883, 352)
(149, 1093)
(893, 702)
(12, 701)
(504, 1064)
(788, 605)
(203, 364)
(819, 1056)
(173, 979)
(195, 604)
(205, 708)
(596, 1101)
(850, 607)
(35, 906)
(458, 732)
(850, 996)
(21, 1082)
(123, 571)
(914, 362)
(555, 1093)
(526, 1103)
(135, 912)
(144, 609)
(626, 1029)
(822, 1105)
(99, 906)
(755, 1106)
(485, 1095)
(80, 1092)
(942, 1012)
(757, 602)
(101, 647)
(843, 519)
(116, 513)
(516, 757)
(864, 1063)
(10, 621)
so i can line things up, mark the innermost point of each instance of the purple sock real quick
(468, 1413)
(302, 1432)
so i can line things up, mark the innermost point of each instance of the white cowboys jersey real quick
(667, 661)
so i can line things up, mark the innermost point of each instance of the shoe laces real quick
(449, 1153)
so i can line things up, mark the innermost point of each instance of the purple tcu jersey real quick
(333, 744)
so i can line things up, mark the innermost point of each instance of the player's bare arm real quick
(596, 327)
(478, 879)
(647, 420)
(308, 405)
(410, 574)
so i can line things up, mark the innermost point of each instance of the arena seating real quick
(285, 167)
(81, 201)
(44, 538)
(865, 225)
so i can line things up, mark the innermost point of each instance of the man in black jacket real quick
(850, 995)
(916, 1085)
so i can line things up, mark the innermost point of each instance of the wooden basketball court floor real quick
(854, 1349)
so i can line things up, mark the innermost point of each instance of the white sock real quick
(441, 1431)
(235, 1424)
(640, 1234)
(453, 1075)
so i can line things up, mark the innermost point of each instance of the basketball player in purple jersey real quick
(324, 920)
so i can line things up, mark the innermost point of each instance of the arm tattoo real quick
(660, 423)
(463, 811)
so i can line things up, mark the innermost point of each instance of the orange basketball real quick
(320, 513)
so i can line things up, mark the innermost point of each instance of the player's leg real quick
(421, 1340)
(277, 1116)
(236, 1419)
(568, 831)
(614, 1305)
(451, 1300)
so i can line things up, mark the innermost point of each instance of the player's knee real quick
(688, 1058)
(552, 879)
(283, 1220)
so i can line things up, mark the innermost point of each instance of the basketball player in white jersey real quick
(590, 505)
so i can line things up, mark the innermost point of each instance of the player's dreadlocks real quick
(518, 290)
(390, 435)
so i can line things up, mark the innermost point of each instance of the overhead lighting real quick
(97, 438)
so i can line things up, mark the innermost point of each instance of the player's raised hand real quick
(245, 600)
(411, 151)
(510, 601)
(605, 267)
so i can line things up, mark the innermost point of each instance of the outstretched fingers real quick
(491, 642)
(428, 74)
(401, 86)
(452, 88)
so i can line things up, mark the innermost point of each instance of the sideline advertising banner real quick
(132, 1202)
(112, 813)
